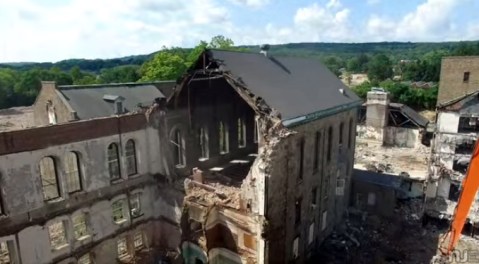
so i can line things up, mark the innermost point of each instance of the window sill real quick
(180, 166)
(115, 181)
(119, 222)
(203, 159)
(133, 175)
(224, 153)
(137, 216)
(241, 147)
(54, 200)
(60, 247)
(83, 238)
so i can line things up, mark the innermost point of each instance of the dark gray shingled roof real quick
(377, 178)
(293, 86)
(411, 114)
(88, 101)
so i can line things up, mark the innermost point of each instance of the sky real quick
(53, 30)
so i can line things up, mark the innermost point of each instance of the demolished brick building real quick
(248, 160)
(457, 128)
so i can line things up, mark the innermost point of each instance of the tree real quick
(379, 68)
(120, 74)
(196, 52)
(164, 66)
(220, 42)
(334, 64)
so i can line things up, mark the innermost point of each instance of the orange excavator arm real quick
(470, 185)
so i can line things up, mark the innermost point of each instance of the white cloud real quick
(333, 4)
(251, 3)
(429, 21)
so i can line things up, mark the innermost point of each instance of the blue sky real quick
(52, 30)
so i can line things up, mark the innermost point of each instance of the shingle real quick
(293, 86)
(88, 101)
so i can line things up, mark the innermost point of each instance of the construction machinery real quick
(470, 185)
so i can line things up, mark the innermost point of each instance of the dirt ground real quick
(405, 238)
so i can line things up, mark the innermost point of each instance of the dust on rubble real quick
(364, 238)
(394, 160)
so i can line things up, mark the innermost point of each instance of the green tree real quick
(362, 89)
(120, 74)
(379, 68)
(164, 66)
(334, 64)
(195, 53)
(221, 42)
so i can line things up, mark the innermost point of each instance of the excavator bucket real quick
(470, 185)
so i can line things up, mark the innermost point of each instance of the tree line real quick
(20, 82)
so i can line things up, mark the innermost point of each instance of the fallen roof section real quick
(410, 113)
(89, 101)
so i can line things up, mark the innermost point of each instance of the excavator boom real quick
(470, 185)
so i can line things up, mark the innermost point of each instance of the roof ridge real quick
(88, 86)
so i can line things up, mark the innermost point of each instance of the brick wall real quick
(451, 84)
(40, 113)
(42, 137)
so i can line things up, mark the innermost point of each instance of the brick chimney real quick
(377, 112)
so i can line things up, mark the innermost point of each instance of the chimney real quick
(377, 108)
(264, 49)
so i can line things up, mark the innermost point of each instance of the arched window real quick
(72, 172)
(223, 138)
(330, 141)
(48, 173)
(204, 143)
(180, 159)
(130, 153)
(113, 161)
(241, 133)
(350, 134)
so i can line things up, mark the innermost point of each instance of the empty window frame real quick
(5, 253)
(241, 133)
(324, 220)
(454, 192)
(118, 211)
(223, 138)
(255, 132)
(314, 196)
(317, 140)
(180, 158)
(350, 133)
(297, 211)
(465, 146)
(465, 77)
(48, 173)
(301, 158)
(330, 141)
(56, 232)
(341, 133)
(311, 234)
(296, 248)
(130, 155)
(468, 124)
(135, 205)
(113, 161)
(204, 143)
(72, 172)
(85, 259)
(138, 240)
(79, 222)
(122, 247)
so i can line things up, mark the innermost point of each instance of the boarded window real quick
(138, 240)
(48, 174)
(241, 133)
(135, 204)
(56, 232)
(301, 158)
(330, 141)
(72, 172)
(324, 220)
(223, 138)
(350, 133)
(465, 77)
(297, 212)
(122, 248)
(130, 153)
(85, 259)
(118, 211)
(311, 234)
(317, 140)
(371, 198)
(204, 143)
(113, 161)
(80, 226)
(180, 159)
(296, 248)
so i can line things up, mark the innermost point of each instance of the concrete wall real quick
(47, 93)
(284, 186)
(391, 136)
(451, 85)
(373, 198)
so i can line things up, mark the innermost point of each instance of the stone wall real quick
(451, 84)
(49, 93)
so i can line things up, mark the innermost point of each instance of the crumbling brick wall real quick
(49, 93)
(451, 84)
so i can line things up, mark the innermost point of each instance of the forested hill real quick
(395, 50)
